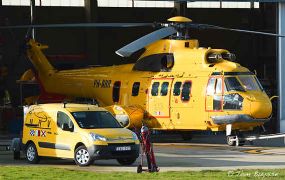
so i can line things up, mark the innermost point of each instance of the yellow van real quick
(82, 132)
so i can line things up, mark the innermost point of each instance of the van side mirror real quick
(65, 127)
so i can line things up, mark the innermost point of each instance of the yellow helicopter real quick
(175, 85)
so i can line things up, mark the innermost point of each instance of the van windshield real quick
(95, 120)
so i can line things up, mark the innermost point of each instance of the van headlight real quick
(96, 137)
(135, 137)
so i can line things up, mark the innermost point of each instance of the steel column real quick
(91, 10)
(281, 66)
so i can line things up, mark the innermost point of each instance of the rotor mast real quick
(180, 7)
(180, 10)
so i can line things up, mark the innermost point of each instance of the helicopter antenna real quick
(32, 8)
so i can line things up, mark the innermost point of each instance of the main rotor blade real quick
(138, 44)
(208, 26)
(79, 25)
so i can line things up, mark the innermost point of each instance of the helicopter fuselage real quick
(176, 84)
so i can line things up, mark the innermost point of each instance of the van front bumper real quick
(111, 151)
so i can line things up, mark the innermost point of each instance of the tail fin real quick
(38, 59)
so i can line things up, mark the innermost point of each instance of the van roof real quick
(72, 107)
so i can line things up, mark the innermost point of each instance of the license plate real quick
(123, 148)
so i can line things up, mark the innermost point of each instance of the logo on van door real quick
(37, 118)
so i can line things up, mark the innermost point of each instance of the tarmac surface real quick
(202, 153)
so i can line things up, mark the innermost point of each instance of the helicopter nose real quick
(260, 109)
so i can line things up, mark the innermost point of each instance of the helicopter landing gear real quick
(231, 140)
(236, 140)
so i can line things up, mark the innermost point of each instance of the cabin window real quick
(177, 88)
(154, 89)
(116, 91)
(136, 88)
(164, 88)
(186, 89)
(62, 119)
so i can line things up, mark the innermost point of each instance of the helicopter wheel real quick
(230, 140)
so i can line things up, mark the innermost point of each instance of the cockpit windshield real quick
(242, 83)
(249, 83)
(232, 84)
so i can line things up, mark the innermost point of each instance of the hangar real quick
(81, 47)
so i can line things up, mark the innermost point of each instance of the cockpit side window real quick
(211, 86)
(215, 90)
(218, 86)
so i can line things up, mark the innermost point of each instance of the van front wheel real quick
(82, 156)
(32, 154)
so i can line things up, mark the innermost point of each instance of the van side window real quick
(177, 88)
(63, 118)
(186, 89)
(154, 89)
(116, 91)
(164, 89)
(136, 88)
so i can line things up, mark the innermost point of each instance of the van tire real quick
(126, 161)
(82, 157)
(32, 154)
